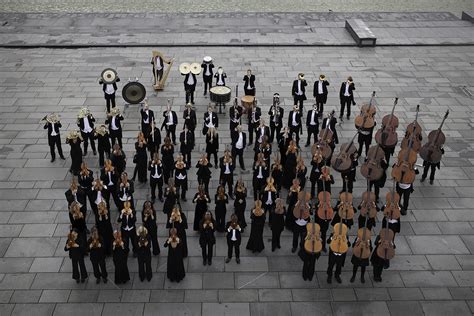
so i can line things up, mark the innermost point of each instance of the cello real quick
(386, 136)
(431, 151)
(371, 168)
(385, 249)
(339, 238)
(301, 209)
(346, 210)
(392, 208)
(367, 205)
(362, 245)
(312, 242)
(404, 171)
(366, 117)
(325, 211)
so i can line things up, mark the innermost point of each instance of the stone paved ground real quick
(432, 274)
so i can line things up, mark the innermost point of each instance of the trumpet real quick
(50, 118)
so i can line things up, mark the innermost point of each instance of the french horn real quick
(50, 118)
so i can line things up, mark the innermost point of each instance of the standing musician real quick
(277, 173)
(110, 178)
(210, 120)
(125, 191)
(127, 220)
(249, 85)
(346, 96)
(234, 239)
(299, 231)
(157, 68)
(190, 86)
(404, 190)
(260, 174)
(350, 175)
(262, 132)
(320, 92)
(265, 148)
(235, 114)
(207, 73)
(254, 120)
(426, 166)
(298, 90)
(269, 198)
(207, 227)
(115, 127)
(294, 123)
(76, 194)
(331, 125)
(312, 124)
(283, 143)
(109, 93)
(212, 145)
(276, 113)
(316, 164)
(154, 139)
(54, 138)
(190, 120)
(204, 173)
(186, 139)
(227, 172)
(103, 143)
(156, 177)
(239, 140)
(85, 122)
(365, 138)
(220, 77)
(335, 259)
(170, 122)
(148, 116)
(181, 177)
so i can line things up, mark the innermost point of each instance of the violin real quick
(392, 207)
(366, 117)
(404, 171)
(362, 246)
(312, 242)
(301, 209)
(325, 138)
(346, 210)
(385, 248)
(371, 168)
(339, 238)
(386, 136)
(342, 162)
(325, 210)
(431, 151)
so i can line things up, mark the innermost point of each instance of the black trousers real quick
(187, 158)
(364, 140)
(320, 100)
(334, 260)
(144, 268)
(354, 270)
(376, 189)
(215, 157)
(295, 130)
(102, 154)
(207, 251)
(276, 234)
(87, 137)
(55, 141)
(229, 180)
(425, 171)
(220, 220)
(76, 266)
(116, 136)
(299, 99)
(274, 130)
(240, 153)
(405, 196)
(312, 130)
(350, 183)
(154, 241)
(130, 236)
(388, 153)
(158, 74)
(205, 182)
(252, 129)
(99, 268)
(299, 232)
(345, 103)
(377, 271)
(249, 91)
(109, 100)
(190, 96)
(181, 186)
(308, 267)
(171, 130)
(153, 184)
(233, 245)
(207, 83)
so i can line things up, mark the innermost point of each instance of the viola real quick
(342, 162)
(385, 248)
(312, 242)
(366, 117)
(362, 246)
(431, 151)
(371, 169)
(387, 136)
(301, 209)
(346, 210)
(325, 210)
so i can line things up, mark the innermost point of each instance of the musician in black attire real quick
(207, 73)
(156, 177)
(227, 167)
(186, 139)
(86, 125)
(330, 122)
(346, 96)
(76, 194)
(149, 221)
(190, 86)
(379, 183)
(365, 138)
(109, 92)
(235, 114)
(190, 120)
(109, 177)
(260, 174)
(335, 259)
(127, 220)
(315, 173)
(212, 145)
(175, 266)
(427, 165)
(312, 124)
(254, 120)
(158, 66)
(169, 123)
(378, 263)
(220, 77)
(125, 191)
(167, 151)
(181, 177)
(144, 254)
(103, 143)
(320, 92)
(262, 132)
(298, 90)
(324, 223)
(239, 141)
(234, 239)
(276, 113)
(204, 173)
(118, 159)
(249, 85)
(350, 175)
(207, 227)
(115, 127)
(148, 116)
(294, 123)
(211, 120)
(277, 223)
(154, 139)
(54, 138)
(76, 253)
(97, 256)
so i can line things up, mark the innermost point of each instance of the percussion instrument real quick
(133, 92)
(195, 68)
(387, 136)
(184, 68)
(207, 59)
(247, 101)
(431, 151)
(108, 75)
(220, 94)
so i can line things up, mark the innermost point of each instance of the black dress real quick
(97, 256)
(240, 203)
(301, 175)
(289, 172)
(203, 175)
(290, 218)
(168, 161)
(144, 261)
(200, 210)
(278, 224)
(119, 163)
(181, 230)
(150, 224)
(175, 266)
(141, 164)
(221, 210)
(120, 255)
(104, 228)
(77, 257)
(76, 156)
(255, 242)
(207, 240)
(170, 201)
(309, 262)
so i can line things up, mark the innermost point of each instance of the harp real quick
(161, 84)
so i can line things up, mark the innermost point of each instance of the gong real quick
(133, 92)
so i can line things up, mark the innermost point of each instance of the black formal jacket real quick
(173, 114)
(190, 122)
(235, 113)
(156, 138)
(104, 85)
(186, 85)
(290, 119)
(308, 118)
(343, 90)
(155, 168)
(235, 138)
(105, 178)
(215, 119)
(249, 84)
(151, 116)
(229, 234)
(105, 194)
(80, 195)
(294, 89)
(222, 166)
(315, 87)
(204, 67)
(49, 126)
(280, 118)
(188, 147)
(266, 131)
(91, 122)
(223, 77)
(127, 220)
(258, 113)
(118, 118)
(332, 125)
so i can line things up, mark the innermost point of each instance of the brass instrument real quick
(101, 130)
(108, 76)
(74, 134)
(83, 113)
(52, 118)
(114, 112)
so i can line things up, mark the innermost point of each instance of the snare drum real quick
(247, 101)
(220, 94)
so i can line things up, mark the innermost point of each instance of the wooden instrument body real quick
(392, 207)
(301, 209)
(416, 143)
(343, 161)
(385, 248)
(371, 168)
(368, 205)
(365, 121)
(346, 210)
(339, 238)
(431, 151)
(390, 121)
(325, 210)
(312, 243)
(362, 246)
(387, 136)
(325, 138)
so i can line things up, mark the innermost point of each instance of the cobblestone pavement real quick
(432, 273)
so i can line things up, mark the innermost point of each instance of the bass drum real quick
(220, 94)
(134, 92)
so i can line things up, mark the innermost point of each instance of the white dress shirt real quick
(190, 80)
(147, 119)
(109, 88)
(114, 126)
(346, 93)
(53, 132)
(170, 118)
(312, 122)
(227, 169)
(294, 123)
(299, 88)
(87, 127)
(99, 197)
(320, 87)
(240, 141)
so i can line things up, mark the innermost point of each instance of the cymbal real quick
(184, 68)
(195, 68)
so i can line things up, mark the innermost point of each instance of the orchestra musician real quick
(186, 139)
(169, 123)
(294, 123)
(312, 124)
(254, 120)
(346, 96)
(227, 167)
(109, 92)
(210, 120)
(249, 85)
(54, 138)
(148, 116)
(239, 140)
(276, 113)
(235, 114)
(190, 120)
(189, 86)
(298, 90)
(320, 92)
(113, 121)
(220, 77)
(208, 73)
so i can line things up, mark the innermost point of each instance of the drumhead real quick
(248, 98)
(220, 90)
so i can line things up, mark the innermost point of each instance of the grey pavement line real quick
(251, 281)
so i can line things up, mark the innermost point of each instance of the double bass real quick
(325, 138)
(432, 150)
(342, 162)
(386, 136)
(413, 134)
(404, 171)
(312, 242)
(366, 117)
(371, 169)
